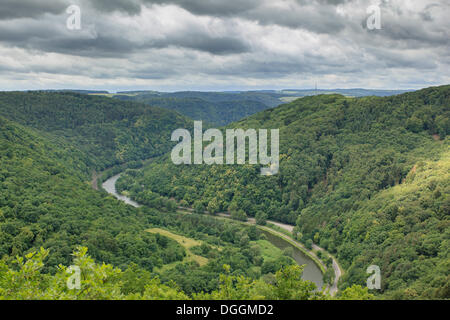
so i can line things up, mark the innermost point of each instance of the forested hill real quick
(365, 178)
(109, 131)
(268, 98)
(216, 113)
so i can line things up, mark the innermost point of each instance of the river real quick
(311, 271)
(110, 187)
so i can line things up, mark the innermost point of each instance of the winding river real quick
(311, 271)
(110, 187)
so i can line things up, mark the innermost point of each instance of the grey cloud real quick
(200, 7)
(316, 15)
(395, 59)
(100, 46)
(213, 7)
(311, 15)
(11, 9)
(316, 19)
(340, 45)
(426, 14)
(322, 2)
(107, 41)
(203, 42)
(43, 35)
(129, 6)
(410, 30)
(416, 37)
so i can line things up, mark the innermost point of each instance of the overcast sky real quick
(171, 45)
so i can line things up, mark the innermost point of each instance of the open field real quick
(187, 243)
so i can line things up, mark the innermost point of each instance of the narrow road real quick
(94, 180)
(336, 267)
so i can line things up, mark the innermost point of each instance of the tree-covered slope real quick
(337, 154)
(268, 98)
(216, 113)
(46, 201)
(109, 131)
(404, 229)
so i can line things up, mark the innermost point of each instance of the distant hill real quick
(221, 108)
(74, 91)
(215, 108)
(217, 113)
(270, 99)
(357, 92)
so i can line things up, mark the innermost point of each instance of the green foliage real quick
(199, 207)
(261, 218)
(224, 242)
(329, 275)
(45, 201)
(97, 281)
(405, 230)
(356, 292)
(105, 282)
(239, 215)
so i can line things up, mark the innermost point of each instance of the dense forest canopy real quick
(109, 131)
(350, 178)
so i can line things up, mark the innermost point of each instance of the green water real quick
(311, 271)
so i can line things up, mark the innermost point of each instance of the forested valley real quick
(367, 179)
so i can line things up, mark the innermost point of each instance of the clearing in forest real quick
(187, 243)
